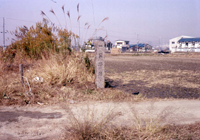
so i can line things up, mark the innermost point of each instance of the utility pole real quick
(4, 45)
(106, 40)
(4, 32)
(159, 44)
(137, 42)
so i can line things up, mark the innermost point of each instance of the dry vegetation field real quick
(68, 86)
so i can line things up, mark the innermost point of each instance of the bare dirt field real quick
(155, 76)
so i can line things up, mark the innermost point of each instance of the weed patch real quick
(89, 125)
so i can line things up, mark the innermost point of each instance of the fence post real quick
(21, 73)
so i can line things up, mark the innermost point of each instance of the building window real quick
(193, 43)
(173, 42)
(119, 43)
(186, 43)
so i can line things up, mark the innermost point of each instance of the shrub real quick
(38, 41)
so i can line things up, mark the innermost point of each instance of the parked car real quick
(163, 52)
(90, 51)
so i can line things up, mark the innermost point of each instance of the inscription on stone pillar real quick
(99, 63)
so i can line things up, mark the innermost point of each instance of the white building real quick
(184, 44)
(90, 43)
(121, 43)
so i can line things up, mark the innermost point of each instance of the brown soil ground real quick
(155, 76)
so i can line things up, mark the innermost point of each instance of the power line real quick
(21, 20)
(121, 33)
(136, 34)
(89, 29)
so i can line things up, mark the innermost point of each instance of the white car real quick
(90, 51)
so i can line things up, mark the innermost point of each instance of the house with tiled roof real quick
(141, 47)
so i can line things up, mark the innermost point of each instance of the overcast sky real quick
(146, 20)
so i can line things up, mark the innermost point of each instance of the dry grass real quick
(59, 86)
(10, 85)
(175, 55)
(89, 125)
(60, 78)
(150, 121)
(94, 124)
(55, 72)
(166, 77)
(185, 54)
(169, 132)
(59, 70)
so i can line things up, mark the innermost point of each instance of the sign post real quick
(99, 63)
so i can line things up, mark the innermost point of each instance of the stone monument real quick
(99, 63)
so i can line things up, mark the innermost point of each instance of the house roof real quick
(139, 45)
(121, 40)
(189, 40)
(98, 38)
(127, 42)
(183, 36)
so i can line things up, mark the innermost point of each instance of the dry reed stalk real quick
(55, 16)
(84, 32)
(63, 8)
(87, 31)
(68, 14)
(78, 20)
(106, 18)
(43, 14)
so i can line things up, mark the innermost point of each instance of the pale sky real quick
(150, 20)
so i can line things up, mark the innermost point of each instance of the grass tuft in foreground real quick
(89, 125)
(88, 122)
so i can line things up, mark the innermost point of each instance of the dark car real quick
(163, 51)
